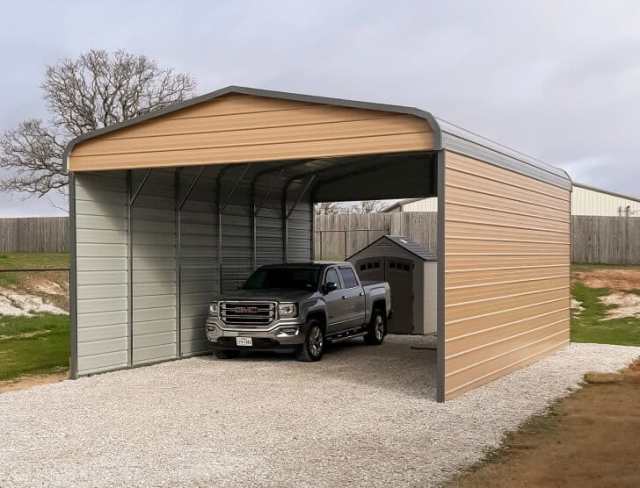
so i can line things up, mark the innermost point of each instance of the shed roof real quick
(405, 243)
(446, 135)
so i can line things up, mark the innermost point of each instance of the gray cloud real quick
(558, 80)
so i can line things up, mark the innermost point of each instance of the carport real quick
(174, 206)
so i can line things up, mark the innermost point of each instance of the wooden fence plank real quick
(34, 234)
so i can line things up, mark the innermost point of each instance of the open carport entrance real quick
(179, 204)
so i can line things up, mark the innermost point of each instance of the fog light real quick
(288, 331)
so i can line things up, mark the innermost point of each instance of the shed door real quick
(399, 274)
(371, 269)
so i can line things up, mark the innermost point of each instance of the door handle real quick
(344, 297)
(361, 294)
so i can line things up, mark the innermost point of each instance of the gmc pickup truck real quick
(299, 308)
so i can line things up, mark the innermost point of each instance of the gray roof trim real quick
(451, 137)
(410, 246)
(606, 192)
(503, 158)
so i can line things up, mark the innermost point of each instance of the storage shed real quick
(411, 271)
(174, 206)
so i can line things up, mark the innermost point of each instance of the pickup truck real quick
(298, 308)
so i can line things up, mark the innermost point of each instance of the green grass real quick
(33, 345)
(22, 260)
(591, 325)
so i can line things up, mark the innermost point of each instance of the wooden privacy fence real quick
(340, 236)
(37, 234)
(595, 240)
(607, 240)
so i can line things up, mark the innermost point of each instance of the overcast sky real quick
(559, 80)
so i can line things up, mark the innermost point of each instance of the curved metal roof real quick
(446, 135)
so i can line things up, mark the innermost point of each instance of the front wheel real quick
(377, 329)
(313, 346)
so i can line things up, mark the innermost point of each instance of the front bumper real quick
(281, 335)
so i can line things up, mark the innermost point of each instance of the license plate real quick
(244, 341)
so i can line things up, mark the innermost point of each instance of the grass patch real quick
(592, 325)
(33, 345)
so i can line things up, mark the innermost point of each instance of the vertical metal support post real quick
(254, 229)
(440, 323)
(73, 280)
(178, 218)
(219, 220)
(130, 267)
(313, 232)
(346, 235)
(285, 225)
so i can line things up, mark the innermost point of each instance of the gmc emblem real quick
(246, 309)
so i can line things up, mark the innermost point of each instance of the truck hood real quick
(280, 295)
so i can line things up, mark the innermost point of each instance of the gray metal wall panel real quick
(101, 271)
(103, 262)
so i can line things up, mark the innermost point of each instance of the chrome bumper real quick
(285, 333)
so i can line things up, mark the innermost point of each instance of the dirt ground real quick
(614, 279)
(32, 380)
(589, 439)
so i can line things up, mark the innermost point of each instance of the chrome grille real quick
(248, 315)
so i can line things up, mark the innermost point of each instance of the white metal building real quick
(585, 200)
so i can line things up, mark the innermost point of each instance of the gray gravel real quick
(364, 416)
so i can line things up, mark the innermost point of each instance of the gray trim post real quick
(440, 324)
(73, 281)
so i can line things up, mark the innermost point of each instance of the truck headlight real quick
(213, 308)
(287, 310)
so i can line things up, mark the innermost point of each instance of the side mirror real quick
(330, 286)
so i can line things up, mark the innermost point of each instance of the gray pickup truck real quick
(299, 308)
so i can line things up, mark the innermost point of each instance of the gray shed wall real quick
(103, 340)
(424, 306)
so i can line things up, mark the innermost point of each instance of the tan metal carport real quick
(173, 206)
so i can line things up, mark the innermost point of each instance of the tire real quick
(227, 354)
(377, 328)
(313, 347)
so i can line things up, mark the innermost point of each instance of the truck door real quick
(336, 306)
(353, 295)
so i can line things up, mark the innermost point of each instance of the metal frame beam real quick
(286, 213)
(219, 213)
(132, 197)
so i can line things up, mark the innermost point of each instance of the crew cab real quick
(298, 308)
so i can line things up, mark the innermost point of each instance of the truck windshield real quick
(284, 278)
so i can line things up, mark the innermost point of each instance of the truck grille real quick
(248, 315)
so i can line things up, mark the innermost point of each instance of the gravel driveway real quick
(364, 416)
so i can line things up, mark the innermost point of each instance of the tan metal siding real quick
(238, 128)
(507, 251)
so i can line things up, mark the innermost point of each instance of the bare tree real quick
(93, 91)
(369, 206)
(327, 208)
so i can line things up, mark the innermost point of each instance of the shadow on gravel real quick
(396, 366)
